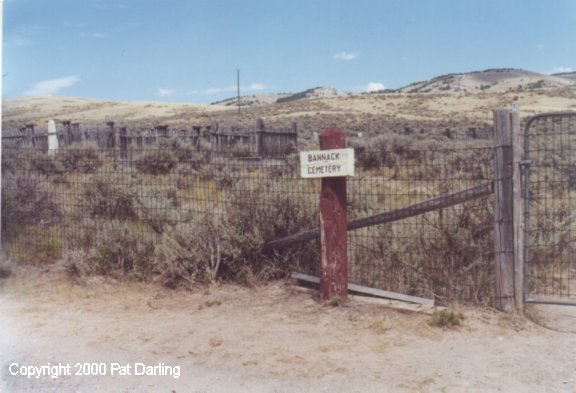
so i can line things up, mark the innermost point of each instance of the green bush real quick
(446, 319)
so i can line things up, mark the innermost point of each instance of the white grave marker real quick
(52, 138)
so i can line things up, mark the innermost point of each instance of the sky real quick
(190, 50)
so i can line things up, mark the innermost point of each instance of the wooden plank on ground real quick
(397, 305)
(380, 293)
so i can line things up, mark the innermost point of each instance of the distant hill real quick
(497, 80)
(252, 100)
(566, 75)
(311, 94)
(280, 98)
(493, 80)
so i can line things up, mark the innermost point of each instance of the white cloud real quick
(52, 86)
(114, 6)
(16, 41)
(216, 90)
(256, 86)
(559, 70)
(374, 86)
(345, 56)
(166, 92)
(95, 35)
(231, 89)
(23, 35)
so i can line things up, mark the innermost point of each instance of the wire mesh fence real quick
(551, 195)
(179, 215)
(447, 254)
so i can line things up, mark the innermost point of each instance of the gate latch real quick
(527, 162)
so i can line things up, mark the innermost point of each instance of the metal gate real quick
(550, 208)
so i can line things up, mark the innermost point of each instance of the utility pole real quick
(238, 85)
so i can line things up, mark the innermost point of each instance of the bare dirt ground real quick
(269, 339)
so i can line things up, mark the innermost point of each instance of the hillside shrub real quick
(121, 196)
(84, 158)
(110, 195)
(193, 251)
(240, 150)
(257, 217)
(158, 208)
(449, 262)
(156, 162)
(27, 200)
(384, 151)
(46, 165)
(289, 168)
(114, 248)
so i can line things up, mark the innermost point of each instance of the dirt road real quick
(269, 339)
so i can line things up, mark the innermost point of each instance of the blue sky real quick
(189, 50)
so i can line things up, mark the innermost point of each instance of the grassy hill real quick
(421, 108)
(497, 80)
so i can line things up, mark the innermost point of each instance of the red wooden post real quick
(333, 226)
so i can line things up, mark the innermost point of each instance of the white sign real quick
(327, 163)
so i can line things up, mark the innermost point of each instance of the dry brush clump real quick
(138, 231)
(83, 158)
(444, 254)
(114, 248)
(28, 200)
(193, 251)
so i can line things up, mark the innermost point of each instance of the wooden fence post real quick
(66, 132)
(75, 133)
(162, 131)
(333, 226)
(213, 137)
(29, 134)
(294, 127)
(123, 143)
(260, 137)
(507, 211)
(111, 139)
(517, 202)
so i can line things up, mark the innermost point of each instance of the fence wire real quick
(179, 215)
(550, 145)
